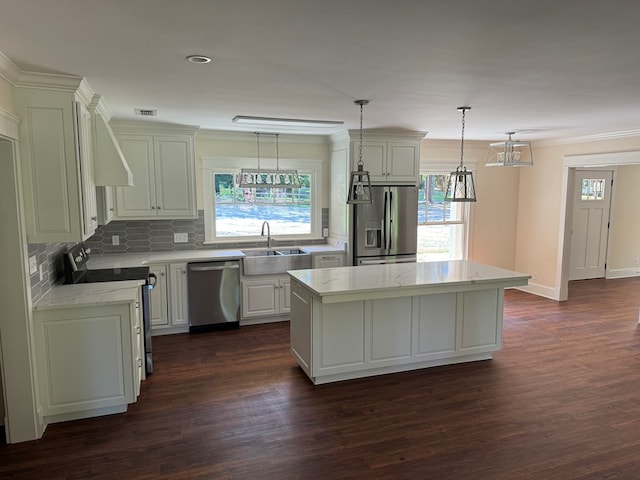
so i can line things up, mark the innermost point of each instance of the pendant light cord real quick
(464, 111)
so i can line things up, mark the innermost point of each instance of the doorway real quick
(590, 223)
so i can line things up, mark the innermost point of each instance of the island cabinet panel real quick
(437, 320)
(482, 320)
(300, 329)
(342, 337)
(391, 329)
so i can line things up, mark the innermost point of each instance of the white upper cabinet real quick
(57, 163)
(163, 167)
(390, 157)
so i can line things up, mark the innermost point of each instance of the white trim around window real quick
(211, 165)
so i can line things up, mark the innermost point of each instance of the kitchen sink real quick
(260, 253)
(292, 251)
(271, 261)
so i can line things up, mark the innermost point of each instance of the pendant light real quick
(510, 153)
(268, 177)
(360, 181)
(460, 187)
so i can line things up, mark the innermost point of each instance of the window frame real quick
(229, 165)
(445, 168)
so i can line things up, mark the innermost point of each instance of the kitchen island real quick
(353, 322)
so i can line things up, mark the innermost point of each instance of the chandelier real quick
(268, 177)
(510, 153)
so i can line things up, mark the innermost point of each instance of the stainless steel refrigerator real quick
(385, 231)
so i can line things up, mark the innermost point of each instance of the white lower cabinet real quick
(89, 360)
(178, 304)
(159, 307)
(169, 305)
(265, 295)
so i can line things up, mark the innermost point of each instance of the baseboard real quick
(541, 290)
(623, 272)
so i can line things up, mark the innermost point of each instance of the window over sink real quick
(233, 213)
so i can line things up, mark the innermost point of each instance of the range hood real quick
(110, 168)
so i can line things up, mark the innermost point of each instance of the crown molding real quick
(9, 71)
(123, 127)
(49, 81)
(597, 137)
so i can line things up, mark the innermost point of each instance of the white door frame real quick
(569, 164)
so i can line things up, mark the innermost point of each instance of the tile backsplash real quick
(134, 236)
(139, 236)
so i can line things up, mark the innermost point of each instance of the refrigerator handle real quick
(390, 229)
(385, 232)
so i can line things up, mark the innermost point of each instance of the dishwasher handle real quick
(209, 268)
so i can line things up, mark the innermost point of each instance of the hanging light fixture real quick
(360, 182)
(510, 153)
(268, 177)
(460, 187)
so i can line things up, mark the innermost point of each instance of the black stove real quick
(75, 271)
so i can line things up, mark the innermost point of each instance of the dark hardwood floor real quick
(560, 401)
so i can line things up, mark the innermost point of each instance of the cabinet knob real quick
(138, 330)
(158, 207)
(137, 304)
(162, 274)
(111, 210)
(153, 208)
(94, 219)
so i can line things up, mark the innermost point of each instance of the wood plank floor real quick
(560, 401)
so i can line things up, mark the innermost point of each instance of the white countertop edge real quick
(404, 279)
(89, 294)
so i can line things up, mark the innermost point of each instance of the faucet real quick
(268, 233)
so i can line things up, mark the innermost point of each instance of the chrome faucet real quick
(268, 233)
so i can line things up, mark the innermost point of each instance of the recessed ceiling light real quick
(285, 122)
(198, 59)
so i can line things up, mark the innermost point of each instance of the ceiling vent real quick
(144, 112)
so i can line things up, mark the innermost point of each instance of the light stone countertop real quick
(402, 278)
(123, 260)
(89, 294)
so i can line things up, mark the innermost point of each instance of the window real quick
(593, 189)
(236, 214)
(442, 226)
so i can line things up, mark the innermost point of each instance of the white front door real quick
(590, 226)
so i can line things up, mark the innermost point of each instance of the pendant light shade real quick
(360, 181)
(460, 187)
(510, 153)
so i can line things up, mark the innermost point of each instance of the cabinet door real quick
(403, 162)
(77, 346)
(260, 297)
(174, 176)
(158, 297)
(285, 295)
(178, 293)
(137, 346)
(104, 200)
(374, 158)
(85, 161)
(140, 199)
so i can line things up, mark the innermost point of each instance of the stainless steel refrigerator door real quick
(403, 221)
(388, 226)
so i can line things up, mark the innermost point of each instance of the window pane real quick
(240, 211)
(431, 204)
(440, 242)
(593, 189)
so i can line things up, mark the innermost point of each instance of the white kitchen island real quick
(352, 322)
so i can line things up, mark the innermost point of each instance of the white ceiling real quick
(545, 68)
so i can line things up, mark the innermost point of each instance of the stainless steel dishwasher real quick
(214, 295)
